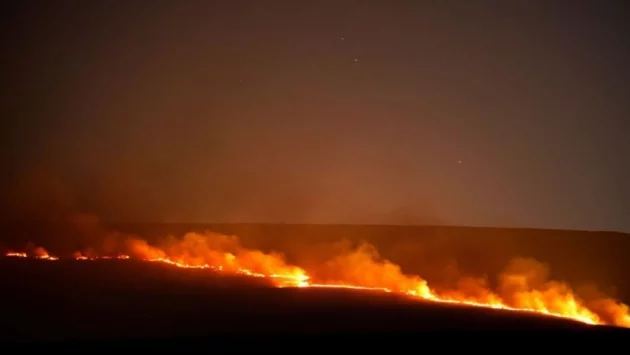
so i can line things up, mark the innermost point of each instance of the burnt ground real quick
(135, 301)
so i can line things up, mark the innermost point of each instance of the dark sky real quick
(495, 113)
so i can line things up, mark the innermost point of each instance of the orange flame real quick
(41, 253)
(362, 269)
(16, 255)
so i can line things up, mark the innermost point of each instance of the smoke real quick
(133, 188)
(524, 283)
(439, 266)
(40, 196)
(221, 251)
(363, 266)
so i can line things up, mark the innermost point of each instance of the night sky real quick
(484, 113)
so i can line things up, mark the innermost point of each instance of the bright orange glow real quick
(41, 253)
(363, 271)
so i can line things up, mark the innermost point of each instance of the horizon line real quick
(320, 224)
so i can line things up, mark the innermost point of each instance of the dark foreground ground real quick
(131, 304)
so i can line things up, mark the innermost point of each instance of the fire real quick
(41, 253)
(16, 255)
(521, 288)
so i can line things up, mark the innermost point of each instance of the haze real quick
(482, 113)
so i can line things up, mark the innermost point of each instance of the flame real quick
(16, 255)
(41, 253)
(523, 286)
